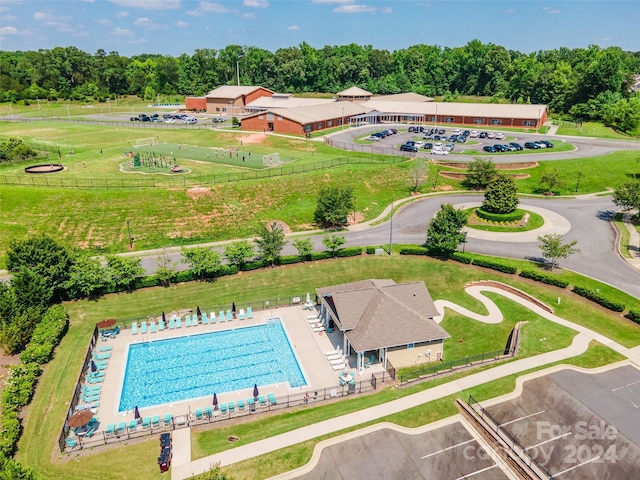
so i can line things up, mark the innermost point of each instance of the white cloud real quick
(606, 39)
(105, 22)
(352, 8)
(248, 16)
(9, 18)
(40, 15)
(208, 7)
(149, 24)
(293, 27)
(181, 24)
(89, 1)
(8, 31)
(386, 10)
(81, 33)
(123, 14)
(255, 3)
(332, 1)
(551, 11)
(121, 31)
(149, 4)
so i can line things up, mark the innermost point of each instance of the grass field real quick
(444, 280)
(595, 129)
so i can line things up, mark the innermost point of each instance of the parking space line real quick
(575, 466)
(448, 448)
(548, 440)
(630, 392)
(522, 418)
(476, 472)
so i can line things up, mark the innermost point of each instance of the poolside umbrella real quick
(94, 367)
(198, 312)
(255, 390)
(164, 319)
(108, 323)
(136, 413)
(308, 298)
(215, 401)
(233, 307)
(80, 419)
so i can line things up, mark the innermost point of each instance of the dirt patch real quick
(355, 217)
(462, 176)
(499, 166)
(198, 192)
(443, 188)
(253, 138)
(285, 228)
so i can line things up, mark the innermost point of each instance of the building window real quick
(260, 117)
(447, 119)
(411, 345)
(307, 128)
(270, 116)
(320, 126)
(496, 121)
(279, 118)
(217, 109)
(478, 121)
(528, 123)
(330, 123)
(432, 118)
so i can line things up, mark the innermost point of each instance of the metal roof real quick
(318, 113)
(233, 91)
(288, 101)
(403, 97)
(443, 109)
(354, 92)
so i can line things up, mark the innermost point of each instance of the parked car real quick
(457, 131)
(437, 137)
(548, 144)
(531, 145)
(466, 133)
(218, 120)
(453, 138)
(442, 131)
(541, 145)
(474, 134)
(373, 138)
(436, 151)
(500, 148)
(509, 148)
(437, 146)
(499, 136)
(483, 135)
(428, 146)
(462, 139)
(491, 135)
(418, 144)
(411, 129)
(449, 146)
(408, 148)
(515, 145)
(489, 148)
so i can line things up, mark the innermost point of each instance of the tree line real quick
(580, 82)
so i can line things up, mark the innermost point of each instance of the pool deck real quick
(308, 346)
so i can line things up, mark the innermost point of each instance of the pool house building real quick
(382, 321)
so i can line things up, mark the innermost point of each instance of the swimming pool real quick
(181, 368)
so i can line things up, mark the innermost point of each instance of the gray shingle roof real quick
(354, 92)
(380, 313)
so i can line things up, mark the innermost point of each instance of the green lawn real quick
(444, 280)
(594, 129)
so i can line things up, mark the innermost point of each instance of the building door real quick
(271, 126)
(438, 356)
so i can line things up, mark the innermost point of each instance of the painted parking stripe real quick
(630, 392)
(548, 440)
(575, 466)
(522, 418)
(448, 448)
(476, 472)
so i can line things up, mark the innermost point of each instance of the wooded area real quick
(588, 83)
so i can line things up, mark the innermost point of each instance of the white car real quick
(437, 146)
(491, 135)
(499, 136)
(439, 151)
(419, 144)
(373, 137)
(474, 134)
(457, 131)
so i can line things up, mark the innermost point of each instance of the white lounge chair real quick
(332, 352)
(319, 328)
(337, 361)
(312, 317)
(339, 366)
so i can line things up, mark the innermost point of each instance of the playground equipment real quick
(271, 160)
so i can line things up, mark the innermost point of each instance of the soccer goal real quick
(141, 142)
(271, 160)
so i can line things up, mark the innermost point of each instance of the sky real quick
(173, 27)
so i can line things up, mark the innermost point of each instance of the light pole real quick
(68, 114)
(109, 105)
(130, 237)
(391, 232)
(342, 117)
(578, 182)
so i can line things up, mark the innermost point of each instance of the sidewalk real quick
(578, 346)
(634, 242)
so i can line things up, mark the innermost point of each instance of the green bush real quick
(12, 470)
(246, 267)
(320, 255)
(494, 265)
(39, 353)
(500, 217)
(228, 270)
(10, 433)
(541, 277)
(634, 316)
(461, 257)
(290, 259)
(371, 250)
(596, 297)
(414, 251)
(349, 252)
(19, 385)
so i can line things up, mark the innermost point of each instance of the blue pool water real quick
(176, 369)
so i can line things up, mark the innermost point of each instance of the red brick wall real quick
(279, 126)
(259, 93)
(199, 103)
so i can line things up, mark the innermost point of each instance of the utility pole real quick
(391, 232)
(238, 72)
(130, 237)
(578, 182)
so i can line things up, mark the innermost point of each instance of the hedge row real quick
(46, 336)
(541, 277)
(414, 251)
(596, 297)
(500, 217)
(18, 390)
(494, 265)
(462, 257)
(634, 316)
(12, 470)
(349, 252)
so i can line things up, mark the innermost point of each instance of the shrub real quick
(349, 252)
(39, 353)
(634, 316)
(414, 251)
(290, 259)
(461, 257)
(228, 270)
(371, 250)
(10, 433)
(252, 266)
(19, 385)
(596, 297)
(541, 277)
(500, 217)
(13, 470)
(184, 276)
(494, 265)
(320, 255)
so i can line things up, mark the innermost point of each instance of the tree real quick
(304, 247)
(166, 270)
(627, 196)
(31, 290)
(333, 243)
(270, 242)
(550, 179)
(87, 277)
(123, 271)
(333, 206)
(501, 195)
(553, 249)
(444, 233)
(204, 262)
(418, 175)
(45, 257)
(237, 253)
(480, 172)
